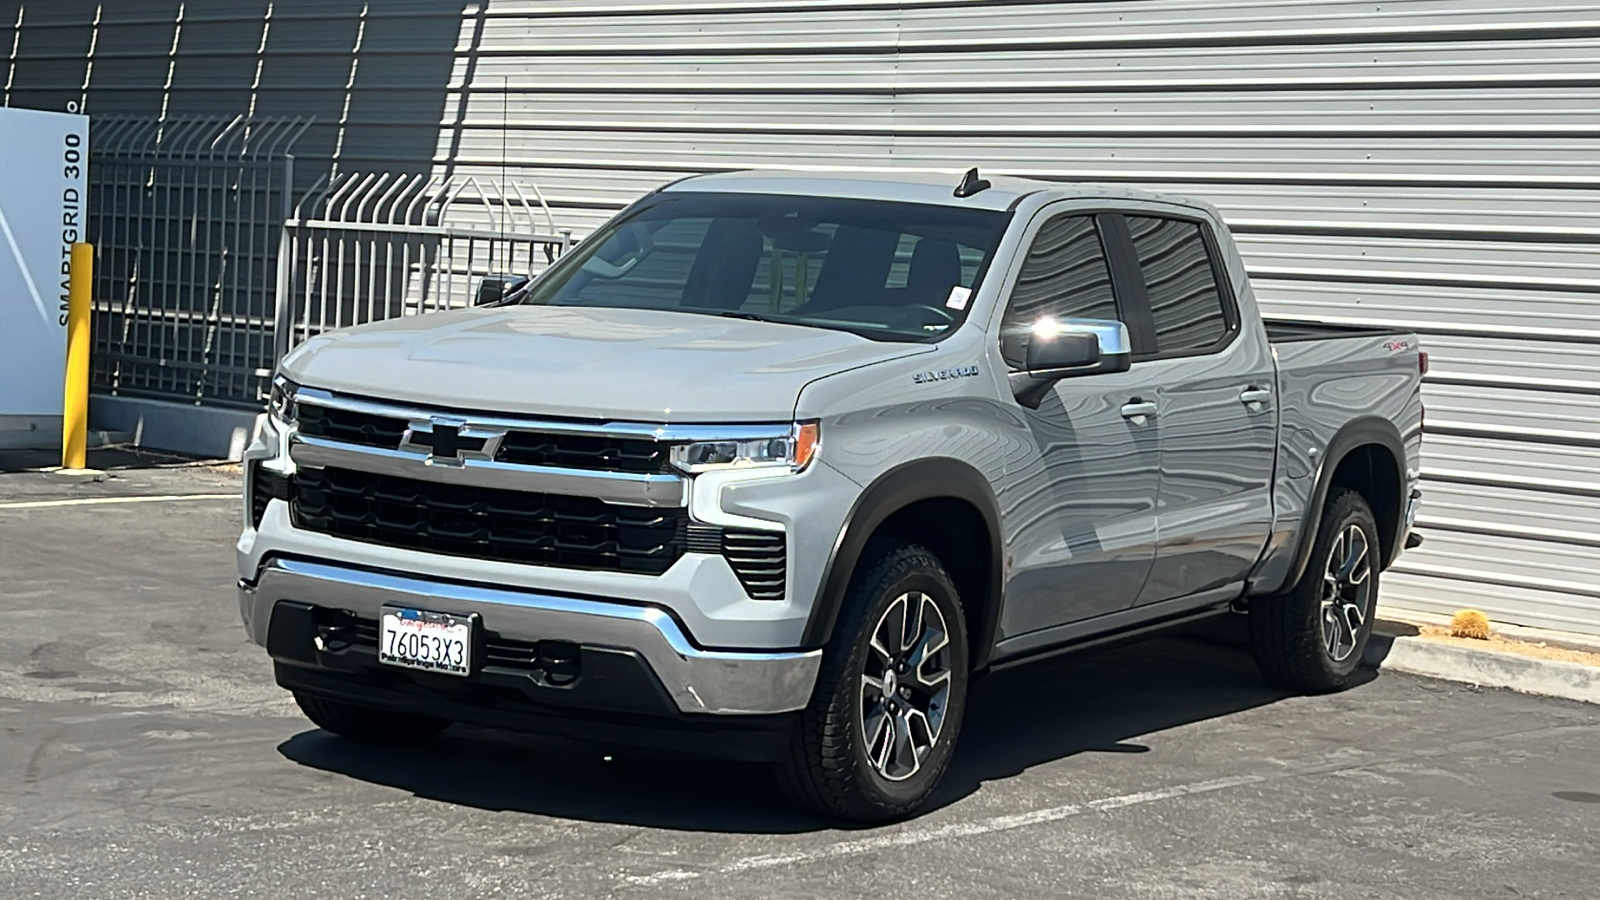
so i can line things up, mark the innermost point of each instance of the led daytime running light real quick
(280, 400)
(793, 450)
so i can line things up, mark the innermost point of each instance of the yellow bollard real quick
(75, 411)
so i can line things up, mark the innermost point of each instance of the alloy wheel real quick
(905, 685)
(1346, 585)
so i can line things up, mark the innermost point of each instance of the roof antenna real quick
(971, 183)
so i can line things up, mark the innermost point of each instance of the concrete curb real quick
(1488, 668)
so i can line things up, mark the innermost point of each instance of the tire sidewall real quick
(876, 598)
(1349, 509)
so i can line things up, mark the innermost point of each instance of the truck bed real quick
(1288, 331)
(1328, 376)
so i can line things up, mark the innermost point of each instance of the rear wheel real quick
(883, 720)
(368, 725)
(1311, 637)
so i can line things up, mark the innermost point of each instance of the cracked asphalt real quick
(145, 752)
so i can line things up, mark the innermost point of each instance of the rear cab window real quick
(1192, 311)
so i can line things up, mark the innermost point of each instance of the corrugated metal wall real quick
(1427, 163)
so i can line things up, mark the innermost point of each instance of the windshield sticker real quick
(958, 298)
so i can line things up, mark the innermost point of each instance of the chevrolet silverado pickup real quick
(772, 466)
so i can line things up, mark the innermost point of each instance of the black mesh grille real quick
(265, 484)
(704, 538)
(496, 650)
(260, 495)
(366, 429)
(760, 559)
(582, 451)
(484, 523)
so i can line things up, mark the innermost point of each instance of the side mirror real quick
(1069, 349)
(494, 289)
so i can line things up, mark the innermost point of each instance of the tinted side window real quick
(1064, 276)
(1182, 284)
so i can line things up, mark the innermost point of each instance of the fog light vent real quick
(760, 559)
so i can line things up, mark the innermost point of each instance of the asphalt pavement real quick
(146, 752)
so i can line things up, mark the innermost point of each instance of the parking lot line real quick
(95, 501)
(1340, 761)
(943, 832)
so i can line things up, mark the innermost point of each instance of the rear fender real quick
(1357, 433)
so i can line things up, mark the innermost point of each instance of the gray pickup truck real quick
(773, 465)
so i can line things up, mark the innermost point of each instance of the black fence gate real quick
(186, 215)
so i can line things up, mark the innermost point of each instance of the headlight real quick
(280, 401)
(793, 450)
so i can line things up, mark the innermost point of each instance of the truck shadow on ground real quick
(1103, 701)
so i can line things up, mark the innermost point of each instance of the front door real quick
(1078, 498)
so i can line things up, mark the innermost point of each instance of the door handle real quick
(1253, 395)
(1138, 409)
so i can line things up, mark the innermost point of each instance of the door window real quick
(1190, 308)
(1064, 276)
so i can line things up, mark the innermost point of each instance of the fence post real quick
(282, 313)
(75, 408)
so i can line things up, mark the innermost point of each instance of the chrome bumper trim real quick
(700, 681)
(621, 488)
(664, 433)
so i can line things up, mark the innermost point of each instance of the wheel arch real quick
(1367, 456)
(937, 503)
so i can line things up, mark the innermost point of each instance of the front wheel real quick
(882, 722)
(1311, 637)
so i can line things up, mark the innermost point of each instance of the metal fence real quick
(185, 215)
(368, 247)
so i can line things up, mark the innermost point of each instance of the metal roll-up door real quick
(1431, 164)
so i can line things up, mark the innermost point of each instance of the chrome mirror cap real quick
(1070, 348)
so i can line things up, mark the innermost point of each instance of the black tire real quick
(828, 769)
(368, 725)
(1297, 644)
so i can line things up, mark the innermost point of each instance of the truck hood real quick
(591, 363)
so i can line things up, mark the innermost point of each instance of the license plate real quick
(430, 641)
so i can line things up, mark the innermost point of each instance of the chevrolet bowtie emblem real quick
(450, 442)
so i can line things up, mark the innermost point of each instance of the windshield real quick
(889, 271)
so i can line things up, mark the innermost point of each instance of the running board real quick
(1129, 628)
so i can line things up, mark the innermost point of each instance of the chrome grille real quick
(588, 452)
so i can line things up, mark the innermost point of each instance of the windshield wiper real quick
(757, 317)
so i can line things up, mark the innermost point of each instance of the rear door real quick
(1078, 499)
(1218, 424)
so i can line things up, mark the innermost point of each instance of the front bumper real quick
(696, 680)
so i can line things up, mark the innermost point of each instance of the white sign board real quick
(44, 169)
